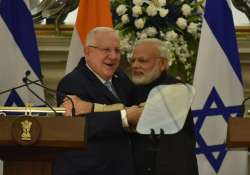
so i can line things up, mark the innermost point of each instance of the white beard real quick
(147, 77)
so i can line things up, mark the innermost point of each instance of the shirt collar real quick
(100, 78)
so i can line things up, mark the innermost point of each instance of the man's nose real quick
(135, 64)
(114, 54)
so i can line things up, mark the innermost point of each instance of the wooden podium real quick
(238, 133)
(28, 145)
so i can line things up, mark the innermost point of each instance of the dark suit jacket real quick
(176, 154)
(108, 149)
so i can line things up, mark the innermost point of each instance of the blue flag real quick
(219, 87)
(18, 53)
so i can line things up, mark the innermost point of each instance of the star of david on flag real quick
(19, 53)
(219, 92)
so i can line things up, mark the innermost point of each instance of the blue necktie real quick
(110, 87)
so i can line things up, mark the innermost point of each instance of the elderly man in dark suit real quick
(109, 148)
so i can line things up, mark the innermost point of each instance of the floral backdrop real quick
(176, 22)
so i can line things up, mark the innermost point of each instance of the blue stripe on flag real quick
(14, 99)
(216, 17)
(19, 21)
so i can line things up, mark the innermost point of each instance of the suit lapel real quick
(119, 88)
(100, 90)
(103, 93)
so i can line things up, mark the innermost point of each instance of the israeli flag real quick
(18, 53)
(219, 86)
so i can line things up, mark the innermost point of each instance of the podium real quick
(29, 145)
(238, 132)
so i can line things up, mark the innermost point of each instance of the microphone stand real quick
(17, 87)
(154, 150)
(28, 82)
(243, 111)
(34, 93)
(52, 90)
(243, 106)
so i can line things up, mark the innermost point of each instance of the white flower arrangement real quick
(176, 22)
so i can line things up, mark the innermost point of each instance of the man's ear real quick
(164, 64)
(86, 50)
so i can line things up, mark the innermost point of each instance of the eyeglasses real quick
(107, 50)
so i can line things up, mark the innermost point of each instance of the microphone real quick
(243, 106)
(27, 73)
(27, 80)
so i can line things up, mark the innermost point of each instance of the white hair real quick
(163, 50)
(91, 35)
